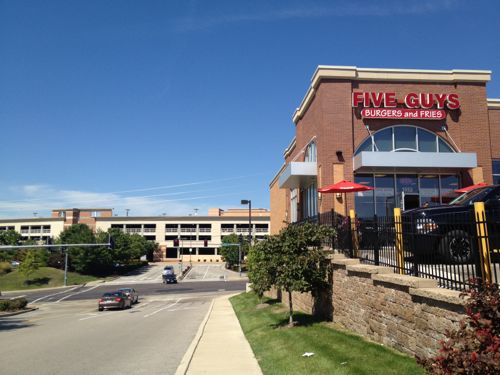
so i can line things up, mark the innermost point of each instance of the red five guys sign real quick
(421, 106)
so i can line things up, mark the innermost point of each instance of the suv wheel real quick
(457, 247)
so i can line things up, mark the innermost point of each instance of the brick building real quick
(413, 135)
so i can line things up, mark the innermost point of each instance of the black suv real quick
(449, 230)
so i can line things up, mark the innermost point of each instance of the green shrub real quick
(475, 347)
(13, 304)
(5, 268)
(4, 304)
(18, 303)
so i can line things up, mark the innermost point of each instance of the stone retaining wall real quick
(408, 313)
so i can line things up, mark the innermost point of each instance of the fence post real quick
(399, 240)
(411, 242)
(354, 233)
(333, 223)
(483, 241)
(376, 245)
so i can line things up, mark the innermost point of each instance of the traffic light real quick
(205, 243)
(240, 239)
(176, 242)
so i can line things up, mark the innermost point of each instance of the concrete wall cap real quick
(439, 294)
(345, 262)
(405, 280)
(368, 268)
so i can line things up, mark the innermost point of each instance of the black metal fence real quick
(450, 248)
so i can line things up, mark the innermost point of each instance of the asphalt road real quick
(72, 337)
(67, 335)
(76, 293)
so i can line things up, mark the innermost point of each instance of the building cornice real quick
(493, 103)
(276, 176)
(290, 148)
(353, 73)
(31, 220)
(168, 219)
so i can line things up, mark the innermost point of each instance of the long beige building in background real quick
(193, 231)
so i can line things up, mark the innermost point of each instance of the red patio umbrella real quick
(471, 187)
(344, 187)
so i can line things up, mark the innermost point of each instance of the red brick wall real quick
(331, 118)
(494, 116)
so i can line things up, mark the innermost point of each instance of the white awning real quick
(298, 175)
(368, 161)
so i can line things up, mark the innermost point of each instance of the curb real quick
(4, 293)
(18, 312)
(188, 356)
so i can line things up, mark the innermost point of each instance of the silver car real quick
(130, 293)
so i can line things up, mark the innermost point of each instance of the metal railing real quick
(450, 248)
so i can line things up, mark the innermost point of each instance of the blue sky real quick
(168, 106)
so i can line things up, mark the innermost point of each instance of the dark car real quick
(114, 300)
(130, 293)
(170, 278)
(168, 270)
(450, 229)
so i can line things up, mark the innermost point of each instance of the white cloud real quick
(176, 203)
(306, 11)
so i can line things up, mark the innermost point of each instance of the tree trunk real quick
(290, 306)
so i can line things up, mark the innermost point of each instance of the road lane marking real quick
(205, 275)
(163, 308)
(74, 294)
(55, 294)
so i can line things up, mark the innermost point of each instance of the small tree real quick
(29, 264)
(261, 268)
(230, 253)
(299, 261)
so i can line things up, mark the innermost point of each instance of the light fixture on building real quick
(340, 157)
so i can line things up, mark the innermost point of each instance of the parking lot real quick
(73, 337)
(207, 272)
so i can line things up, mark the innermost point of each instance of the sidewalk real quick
(220, 347)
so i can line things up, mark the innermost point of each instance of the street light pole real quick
(65, 267)
(249, 202)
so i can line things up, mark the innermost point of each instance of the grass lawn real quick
(44, 277)
(279, 349)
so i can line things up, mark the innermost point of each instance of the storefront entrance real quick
(409, 201)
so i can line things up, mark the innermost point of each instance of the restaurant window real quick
(364, 199)
(310, 155)
(384, 194)
(496, 172)
(293, 205)
(310, 203)
(429, 190)
(448, 186)
(404, 138)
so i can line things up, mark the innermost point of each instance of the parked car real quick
(168, 270)
(130, 293)
(449, 229)
(114, 300)
(170, 278)
(15, 263)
